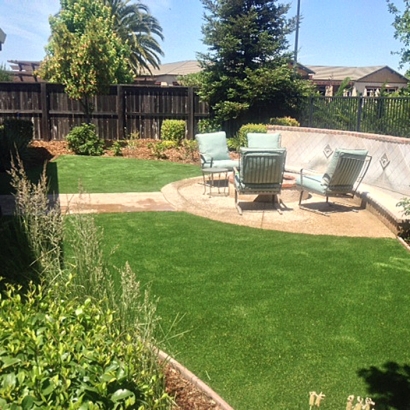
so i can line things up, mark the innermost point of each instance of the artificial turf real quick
(271, 316)
(73, 173)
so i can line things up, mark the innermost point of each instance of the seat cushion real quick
(260, 140)
(225, 163)
(213, 146)
(311, 183)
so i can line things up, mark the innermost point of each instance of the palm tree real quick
(135, 25)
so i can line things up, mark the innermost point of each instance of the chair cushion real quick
(260, 140)
(212, 146)
(223, 163)
(354, 153)
(311, 183)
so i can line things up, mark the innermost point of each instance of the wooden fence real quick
(125, 110)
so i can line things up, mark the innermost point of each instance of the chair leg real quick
(300, 197)
(238, 208)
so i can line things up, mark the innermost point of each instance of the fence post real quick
(120, 113)
(359, 114)
(191, 113)
(45, 118)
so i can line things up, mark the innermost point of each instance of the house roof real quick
(178, 68)
(339, 73)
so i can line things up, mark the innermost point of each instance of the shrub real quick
(173, 130)
(60, 353)
(83, 140)
(208, 125)
(239, 140)
(15, 137)
(286, 121)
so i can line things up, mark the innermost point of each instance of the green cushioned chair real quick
(343, 175)
(260, 173)
(214, 152)
(263, 140)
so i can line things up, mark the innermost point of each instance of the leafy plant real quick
(62, 353)
(158, 149)
(173, 130)
(286, 121)
(208, 125)
(239, 140)
(83, 140)
(4, 74)
(15, 137)
(405, 231)
(189, 147)
(117, 148)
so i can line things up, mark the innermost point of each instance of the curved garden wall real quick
(312, 148)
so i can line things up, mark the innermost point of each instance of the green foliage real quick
(208, 125)
(66, 354)
(189, 148)
(117, 148)
(402, 29)
(83, 140)
(246, 75)
(4, 74)
(158, 149)
(240, 139)
(138, 28)
(173, 130)
(191, 80)
(286, 121)
(84, 53)
(15, 137)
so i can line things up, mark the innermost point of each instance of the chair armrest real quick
(204, 161)
(307, 171)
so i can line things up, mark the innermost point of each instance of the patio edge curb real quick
(189, 376)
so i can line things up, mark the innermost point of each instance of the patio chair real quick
(263, 140)
(213, 150)
(345, 172)
(260, 173)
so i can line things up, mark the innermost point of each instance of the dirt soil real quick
(186, 395)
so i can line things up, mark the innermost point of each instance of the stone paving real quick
(345, 218)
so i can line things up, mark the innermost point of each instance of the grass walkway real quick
(271, 316)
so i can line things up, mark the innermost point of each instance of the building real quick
(366, 81)
(2, 37)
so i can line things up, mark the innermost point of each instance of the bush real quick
(173, 130)
(239, 140)
(60, 353)
(15, 137)
(83, 140)
(286, 121)
(208, 125)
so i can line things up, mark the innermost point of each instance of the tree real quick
(138, 28)
(247, 72)
(4, 74)
(84, 53)
(401, 25)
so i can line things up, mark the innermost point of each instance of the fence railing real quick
(125, 110)
(378, 115)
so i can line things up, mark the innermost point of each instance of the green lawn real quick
(108, 174)
(270, 315)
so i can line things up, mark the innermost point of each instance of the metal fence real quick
(378, 115)
(125, 110)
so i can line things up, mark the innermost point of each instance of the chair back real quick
(263, 140)
(262, 167)
(213, 146)
(346, 168)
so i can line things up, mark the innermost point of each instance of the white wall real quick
(312, 148)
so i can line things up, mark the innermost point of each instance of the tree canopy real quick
(84, 53)
(140, 30)
(247, 71)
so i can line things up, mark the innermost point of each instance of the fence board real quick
(126, 109)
